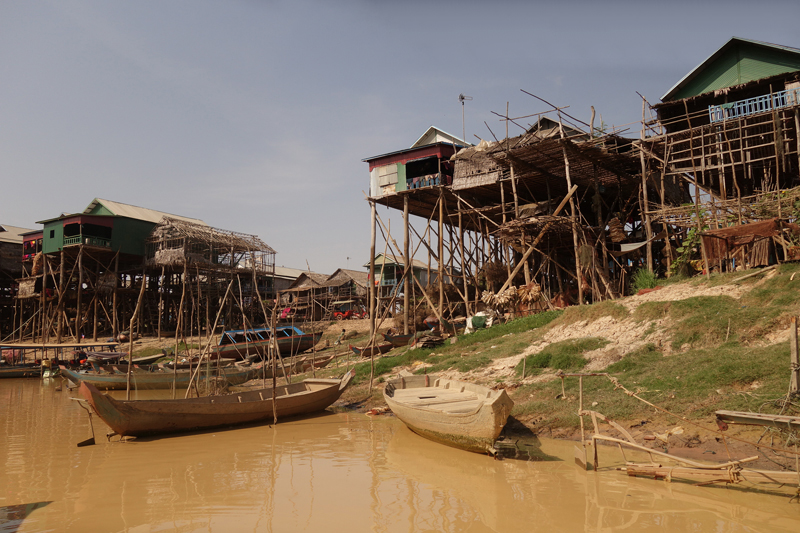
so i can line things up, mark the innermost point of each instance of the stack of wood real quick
(529, 293)
(502, 299)
(428, 341)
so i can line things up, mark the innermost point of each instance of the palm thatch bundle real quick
(529, 293)
(503, 299)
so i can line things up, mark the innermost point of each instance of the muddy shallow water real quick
(334, 472)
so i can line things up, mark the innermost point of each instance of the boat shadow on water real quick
(315, 417)
(519, 442)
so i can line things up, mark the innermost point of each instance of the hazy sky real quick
(255, 115)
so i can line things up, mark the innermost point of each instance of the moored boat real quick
(28, 370)
(238, 344)
(156, 379)
(150, 417)
(459, 414)
(369, 351)
(398, 341)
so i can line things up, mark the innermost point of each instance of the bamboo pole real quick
(407, 287)
(440, 261)
(95, 300)
(794, 382)
(210, 338)
(160, 300)
(78, 325)
(574, 215)
(463, 260)
(275, 354)
(60, 305)
(538, 238)
(178, 327)
(372, 280)
(115, 317)
(645, 216)
(134, 317)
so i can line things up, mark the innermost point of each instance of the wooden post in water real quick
(178, 327)
(78, 325)
(275, 354)
(794, 384)
(130, 335)
(372, 309)
(160, 300)
(407, 264)
(115, 318)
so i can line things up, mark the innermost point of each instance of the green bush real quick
(642, 279)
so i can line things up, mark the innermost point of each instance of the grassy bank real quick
(714, 352)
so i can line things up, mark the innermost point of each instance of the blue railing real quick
(90, 241)
(754, 106)
(430, 180)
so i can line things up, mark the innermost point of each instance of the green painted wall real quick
(741, 63)
(129, 235)
(50, 245)
(401, 177)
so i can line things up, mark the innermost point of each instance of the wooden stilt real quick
(573, 216)
(372, 285)
(408, 269)
(440, 260)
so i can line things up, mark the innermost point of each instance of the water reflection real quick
(335, 472)
(11, 516)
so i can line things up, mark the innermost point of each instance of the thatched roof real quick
(173, 228)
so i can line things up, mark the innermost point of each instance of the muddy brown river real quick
(336, 472)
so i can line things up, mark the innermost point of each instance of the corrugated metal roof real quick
(12, 234)
(288, 273)
(435, 133)
(392, 260)
(728, 77)
(139, 213)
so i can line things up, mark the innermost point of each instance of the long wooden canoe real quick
(238, 344)
(456, 413)
(368, 351)
(29, 370)
(398, 341)
(160, 379)
(150, 417)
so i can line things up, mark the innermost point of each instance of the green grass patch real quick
(651, 311)
(695, 384)
(590, 313)
(564, 355)
(469, 352)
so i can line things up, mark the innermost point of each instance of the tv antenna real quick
(463, 98)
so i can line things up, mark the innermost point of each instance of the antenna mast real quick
(462, 98)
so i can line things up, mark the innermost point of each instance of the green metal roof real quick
(737, 61)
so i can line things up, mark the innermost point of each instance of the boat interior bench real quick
(451, 401)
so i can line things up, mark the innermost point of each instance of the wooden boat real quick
(368, 351)
(294, 366)
(456, 413)
(28, 370)
(238, 344)
(104, 358)
(150, 417)
(398, 341)
(156, 379)
(147, 359)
